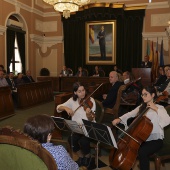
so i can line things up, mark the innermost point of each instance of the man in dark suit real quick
(110, 98)
(28, 78)
(146, 63)
(10, 81)
(101, 36)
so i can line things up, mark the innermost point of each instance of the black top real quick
(112, 95)
(146, 64)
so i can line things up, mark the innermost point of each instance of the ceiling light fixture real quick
(67, 6)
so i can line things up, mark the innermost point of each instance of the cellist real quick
(159, 118)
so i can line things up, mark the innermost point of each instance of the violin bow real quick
(88, 97)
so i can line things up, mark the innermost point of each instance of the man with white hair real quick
(110, 98)
(3, 81)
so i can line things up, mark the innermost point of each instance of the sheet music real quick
(112, 137)
(74, 127)
(100, 132)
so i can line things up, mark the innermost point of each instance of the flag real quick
(161, 55)
(151, 58)
(151, 55)
(156, 60)
(148, 48)
(91, 33)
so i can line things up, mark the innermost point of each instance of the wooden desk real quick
(55, 81)
(6, 103)
(34, 93)
(65, 84)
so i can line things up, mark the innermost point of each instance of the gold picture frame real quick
(100, 42)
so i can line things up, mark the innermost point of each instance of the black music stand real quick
(60, 123)
(68, 125)
(100, 133)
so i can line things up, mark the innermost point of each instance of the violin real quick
(87, 103)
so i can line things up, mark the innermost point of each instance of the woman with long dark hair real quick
(79, 143)
(159, 118)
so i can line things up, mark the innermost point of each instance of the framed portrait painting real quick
(100, 42)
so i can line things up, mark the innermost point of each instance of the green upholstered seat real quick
(16, 158)
(20, 152)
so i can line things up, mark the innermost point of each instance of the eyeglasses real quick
(144, 95)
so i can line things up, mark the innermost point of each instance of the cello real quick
(138, 132)
(125, 156)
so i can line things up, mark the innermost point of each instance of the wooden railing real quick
(6, 103)
(34, 93)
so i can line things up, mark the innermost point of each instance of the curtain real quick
(21, 47)
(10, 47)
(128, 37)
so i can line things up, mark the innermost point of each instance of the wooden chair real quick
(164, 153)
(20, 152)
(112, 113)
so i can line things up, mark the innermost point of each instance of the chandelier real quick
(67, 6)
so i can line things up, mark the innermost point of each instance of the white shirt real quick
(80, 113)
(159, 119)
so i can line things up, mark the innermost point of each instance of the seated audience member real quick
(146, 63)
(64, 72)
(115, 68)
(165, 86)
(110, 98)
(3, 81)
(40, 127)
(161, 76)
(12, 84)
(19, 80)
(28, 78)
(80, 72)
(97, 72)
(10, 81)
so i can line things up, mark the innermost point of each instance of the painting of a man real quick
(102, 42)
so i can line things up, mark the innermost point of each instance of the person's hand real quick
(104, 96)
(152, 106)
(116, 121)
(69, 111)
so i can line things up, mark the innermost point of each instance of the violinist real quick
(79, 108)
(158, 117)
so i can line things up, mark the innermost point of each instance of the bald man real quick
(110, 98)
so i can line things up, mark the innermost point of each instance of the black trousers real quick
(79, 142)
(146, 150)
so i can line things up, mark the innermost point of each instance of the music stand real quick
(100, 133)
(60, 123)
(68, 125)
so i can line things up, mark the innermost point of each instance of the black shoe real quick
(87, 161)
(80, 161)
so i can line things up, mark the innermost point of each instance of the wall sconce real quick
(167, 30)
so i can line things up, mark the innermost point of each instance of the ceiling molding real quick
(45, 42)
